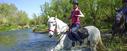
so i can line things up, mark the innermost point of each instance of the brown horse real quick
(118, 27)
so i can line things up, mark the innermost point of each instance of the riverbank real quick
(118, 44)
(35, 28)
(8, 27)
(40, 28)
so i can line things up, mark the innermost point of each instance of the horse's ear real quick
(55, 17)
(48, 16)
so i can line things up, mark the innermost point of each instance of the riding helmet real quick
(75, 2)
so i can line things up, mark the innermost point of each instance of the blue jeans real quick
(73, 34)
(74, 27)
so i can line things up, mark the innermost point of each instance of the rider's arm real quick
(81, 14)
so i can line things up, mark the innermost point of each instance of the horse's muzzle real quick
(50, 36)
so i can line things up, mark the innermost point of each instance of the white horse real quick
(57, 26)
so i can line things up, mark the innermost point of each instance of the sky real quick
(29, 6)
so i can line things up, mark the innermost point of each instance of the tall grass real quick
(117, 44)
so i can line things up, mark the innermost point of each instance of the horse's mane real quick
(58, 20)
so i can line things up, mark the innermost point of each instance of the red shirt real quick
(75, 19)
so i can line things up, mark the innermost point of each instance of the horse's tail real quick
(101, 46)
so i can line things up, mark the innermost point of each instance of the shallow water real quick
(25, 40)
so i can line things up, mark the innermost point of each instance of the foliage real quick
(10, 15)
(40, 28)
(8, 27)
(97, 12)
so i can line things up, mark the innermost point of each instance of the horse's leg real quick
(67, 43)
(93, 46)
(121, 33)
(113, 32)
(125, 27)
(93, 49)
(57, 47)
(92, 42)
(60, 45)
(113, 35)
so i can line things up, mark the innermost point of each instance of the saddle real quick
(82, 33)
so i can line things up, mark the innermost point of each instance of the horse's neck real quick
(61, 25)
(64, 42)
(60, 22)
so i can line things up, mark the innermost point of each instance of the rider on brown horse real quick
(124, 12)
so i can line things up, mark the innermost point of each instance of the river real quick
(26, 40)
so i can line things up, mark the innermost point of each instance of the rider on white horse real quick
(75, 22)
(91, 33)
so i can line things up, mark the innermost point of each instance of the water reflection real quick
(7, 40)
(25, 40)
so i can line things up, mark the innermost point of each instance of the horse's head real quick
(52, 25)
(119, 22)
(118, 16)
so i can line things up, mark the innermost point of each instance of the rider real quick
(75, 22)
(124, 11)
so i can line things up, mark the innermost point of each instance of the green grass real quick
(40, 28)
(7, 27)
(117, 44)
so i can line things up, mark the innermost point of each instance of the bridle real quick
(55, 30)
(50, 30)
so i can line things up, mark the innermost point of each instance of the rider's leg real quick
(75, 34)
(71, 35)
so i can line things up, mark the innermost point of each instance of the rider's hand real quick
(76, 15)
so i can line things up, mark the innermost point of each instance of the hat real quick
(75, 2)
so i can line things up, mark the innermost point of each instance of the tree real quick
(7, 11)
(9, 14)
(97, 12)
(22, 18)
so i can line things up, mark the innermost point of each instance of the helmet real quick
(124, 1)
(75, 2)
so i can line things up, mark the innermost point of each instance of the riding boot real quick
(80, 42)
(78, 38)
(73, 43)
